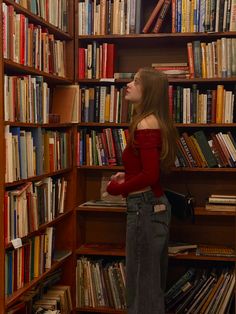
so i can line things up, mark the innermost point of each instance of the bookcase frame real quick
(64, 223)
(91, 222)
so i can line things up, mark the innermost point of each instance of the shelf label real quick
(17, 243)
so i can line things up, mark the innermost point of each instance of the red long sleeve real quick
(142, 164)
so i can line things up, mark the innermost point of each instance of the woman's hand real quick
(119, 177)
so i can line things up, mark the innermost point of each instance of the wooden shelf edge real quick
(203, 258)
(102, 125)
(159, 35)
(187, 169)
(101, 167)
(10, 300)
(110, 209)
(36, 125)
(40, 177)
(99, 310)
(11, 65)
(170, 80)
(39, 20)
(201, 211)
(42, 227)
(100, 250)
(203, 125)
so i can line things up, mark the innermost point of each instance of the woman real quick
(151, 148)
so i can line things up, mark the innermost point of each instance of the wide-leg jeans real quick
(146, 252)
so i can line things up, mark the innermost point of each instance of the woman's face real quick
(134, 90)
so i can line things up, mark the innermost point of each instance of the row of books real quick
(100, 285)
(109, 17)
(53, 11)
(42, 296)
(31, 205)
(28, 261)
(104, 104)
(202, 291)
(219, 202)
(100, 148)
(197, 151)
(212, 59)
(96, 61)
(31, 45)
(34, 152)
(191, 105)
(26, 99)
(203, 16)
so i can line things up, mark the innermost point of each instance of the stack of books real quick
(173, 69)
(217, 202)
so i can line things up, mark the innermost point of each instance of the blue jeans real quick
(146, 252)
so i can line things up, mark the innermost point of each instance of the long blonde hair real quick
(155, 100)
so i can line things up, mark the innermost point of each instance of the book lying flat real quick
(105, 203)
(181, 248)
(215, 251)
(220, 207)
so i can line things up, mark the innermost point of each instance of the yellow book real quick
(107, 107)
(204, 58)
(204, 162)
(219, 103)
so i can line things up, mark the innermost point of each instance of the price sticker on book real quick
(17, 243)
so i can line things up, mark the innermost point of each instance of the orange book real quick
(190, 59)
(153, 16)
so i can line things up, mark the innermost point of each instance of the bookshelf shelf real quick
(215, 80)
(100, 310)
(10, 300)
(149, 36)
(36, 125)
(204, 125)
(103, 125)
(44, 226)
(16, 68)
(36, 19)
(216, 170)
(201, 211)
(113, 168)
(184, 169)
(203, 258)
(51, 174)
(82, 208)
(101, 249)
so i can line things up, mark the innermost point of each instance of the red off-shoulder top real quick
(142, 164)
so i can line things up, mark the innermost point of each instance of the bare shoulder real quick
(149, 122)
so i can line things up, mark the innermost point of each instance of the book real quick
(180, 248)
(215, 251)
(153, 16)
(65, 103)
(161, 16)
(221, 207)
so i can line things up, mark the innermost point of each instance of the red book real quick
(110, 60)
(22, 39)
(81, 63)
(6, 220)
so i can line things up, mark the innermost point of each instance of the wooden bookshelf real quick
(65, 222)
(134, 51)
